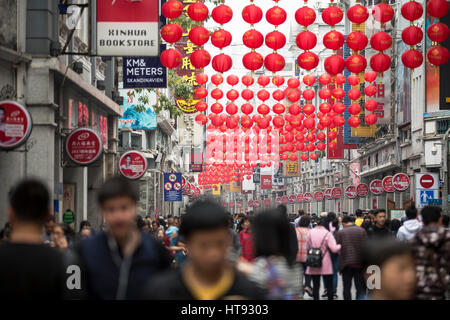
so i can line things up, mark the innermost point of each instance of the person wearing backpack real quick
(319, 243)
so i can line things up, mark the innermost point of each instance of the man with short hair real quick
(30, 269)
(116, 264)
(379, 229)
(351, 238)
(410, 227)
(432, 254)
(207, 275)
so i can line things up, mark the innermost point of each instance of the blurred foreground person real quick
(116, 264)
(432, 254)
(274, 269)
(396, 279)
(30, 269)
(207, 274)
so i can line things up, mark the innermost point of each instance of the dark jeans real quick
(355, 274)
(307, 276)
(328, 279)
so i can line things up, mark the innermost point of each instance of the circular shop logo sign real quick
(132, 164)
(15, 124)
(84, 146)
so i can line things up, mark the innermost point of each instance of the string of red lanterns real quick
(438, 32)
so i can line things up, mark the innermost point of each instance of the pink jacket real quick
(315, 238)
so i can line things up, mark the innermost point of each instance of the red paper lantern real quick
(304, 157)
(274, 62)
(412, 10)
(263, 80)
(381, 41)
(308, 60)
(171, 32)
(339, 79)
(278, 121)
(278, 81)
(354, 94)
(172, 9)
(412, 58)
(370, 90)
(201, 119)
(222, 63)
(332, 15)
(309, 79)
(370, 105)
(305, 16)
(437, 8)
(201, 92)
(339, 107)
(333, 40)
(357, 40)
(380, 62)
(198, 11)
(276, 16)
(263, 95)
(334, 64)
(293, 83)
(357, 14)
(201, 78)
(324, 93)
(294, 109)
(278, 108)
(231, 108)
(308, 94)
(170, 58)
(217, 93)
(356, 63)
(370, 76)
(309, 123)
(306, 40)
(222, 14)
(325, 79)
(370, 119)
(293, 95)
(438, 32)
(353, 80)
(325, 107)
(198, 35)
(252, 14)
(275, 40)
(247, 108)
(253, 39)
(232, 95)
(200, 58)
(217, 79)
(263, 109)
(248, 81)
(278, 95)
(232, 80)
(221, 38)
(216, 108)
(412, 35)
(247, 94)
(201, 106)
(354, 109)
(354, 121)
(338, 93)
(438, 55)
(252, 61)
(308, 109)
(383, 12)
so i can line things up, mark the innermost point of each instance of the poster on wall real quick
(172, 187)
(133, 117)
(128, 28)
(132, 164)
(15, 124)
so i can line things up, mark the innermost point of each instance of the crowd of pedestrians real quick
(209, 253)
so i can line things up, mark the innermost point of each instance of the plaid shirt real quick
(302, 235)
(247, 252)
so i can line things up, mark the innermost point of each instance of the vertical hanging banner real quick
(128, 28)
(172, 187)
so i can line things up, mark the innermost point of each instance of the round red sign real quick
(278, 200)
(336, 193)
(350, 192)
(376, 186)
(328, 193)
(426, 181)
(318, 195)
(292, 198)
(84, 146)
(15, 124)
(132, 165)
(256, 203)
(400, 181)
(308, 197)
(183, 182)
(284, 199)
(250, 203)
(387, 184)
(362, 189)
(238, 204)
(300, 197)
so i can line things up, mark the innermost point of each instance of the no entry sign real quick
(285, 199)
(300, 198)
(84, 146)
(400, 181)
(133, 165)
(278, 200)
(427, 181)
(292, 198)
(127, 28)
(15, 124)
(362, 190)
(376, 186)
(387, 184)
(350, 192)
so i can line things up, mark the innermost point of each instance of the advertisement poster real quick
(132, 164)
(266, 181)
(172, 187)
(133, 118)
(15, 124)
(127, 28)
(84, 146)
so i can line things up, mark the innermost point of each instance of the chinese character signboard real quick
(84, 146)
(292, 168)
(132, 164)
(15, 124)
(128, 28)
(266, 181)
(172, 187)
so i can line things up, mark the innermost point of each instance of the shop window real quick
(136, 141)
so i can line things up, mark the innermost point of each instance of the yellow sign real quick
(216, 189)
(292, 168)
(235, 186)
(187, 106)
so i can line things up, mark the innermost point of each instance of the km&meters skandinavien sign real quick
(127, 28)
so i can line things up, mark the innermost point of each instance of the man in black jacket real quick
(379, 230)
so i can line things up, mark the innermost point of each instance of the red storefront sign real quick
(132, 165)
(376, 186)
(318, 196)
(337, 193)
(362, 190)
(266, 181)
(328, 193)
(387, 184)
(250, 203)
(308, 197)
(350, 192)
(278, 200)
(400, 181)
(300, 198)
(285, 199)
(256, 203)
(292, 198)
(338, 152)
(84, 146)
(15, 124)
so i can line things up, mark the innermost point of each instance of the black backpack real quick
(314, 255)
